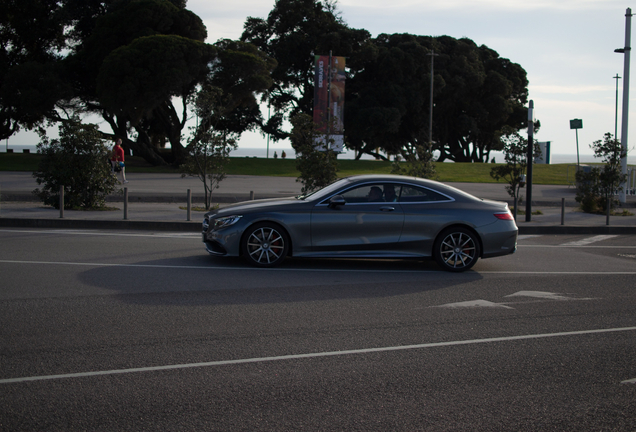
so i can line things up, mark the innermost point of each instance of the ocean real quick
(349, 154)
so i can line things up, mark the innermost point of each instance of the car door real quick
(362, 222)
(426, 212)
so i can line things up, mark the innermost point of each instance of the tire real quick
(265, 245)
(456, 249)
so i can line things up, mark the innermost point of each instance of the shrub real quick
(595, 189)
(78, 160)
(515, 149)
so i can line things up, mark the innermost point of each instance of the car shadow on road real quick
(201, 280)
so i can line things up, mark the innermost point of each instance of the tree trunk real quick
(144, 148)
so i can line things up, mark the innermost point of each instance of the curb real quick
(195, 226)
(565, 229)
(152, 198)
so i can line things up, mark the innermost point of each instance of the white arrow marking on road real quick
(546, 296)
(539, 294)
(474, 303)
(631, 381)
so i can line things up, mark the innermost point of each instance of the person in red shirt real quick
(117, 159)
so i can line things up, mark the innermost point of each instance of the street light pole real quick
(622, 197)
(616, 109)
(529, 160)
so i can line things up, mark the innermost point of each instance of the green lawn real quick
(447, 172)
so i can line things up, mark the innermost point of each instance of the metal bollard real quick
(251, 195)
(562, 211)
(125, 203)
(61, 201)
(189, 205)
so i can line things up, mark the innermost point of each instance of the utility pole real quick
(622, 196)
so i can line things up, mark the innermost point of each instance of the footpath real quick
(159, 202)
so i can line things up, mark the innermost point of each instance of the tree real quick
(293, 32)
(227, 98)
(225, 106)
(317, 168)
(476, 94)
(31, 35)
(515, 149)
(418, 162)
(78, 161)
(596, 188)
(137, 63)
(131, 65)
(207, 159)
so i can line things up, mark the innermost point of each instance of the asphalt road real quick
(104, 330)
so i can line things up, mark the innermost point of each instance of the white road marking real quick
(540, 294)
(313, 355)
(556, 273)
(589, 240)
(631, 381)
(527, 236)
(197, 235)
(187, 235)
(473, 303)
(320, 270)
(535, 294)
(568, 245)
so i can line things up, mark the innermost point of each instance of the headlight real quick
(224, 222)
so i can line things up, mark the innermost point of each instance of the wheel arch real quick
(464, 226)
(270, 221)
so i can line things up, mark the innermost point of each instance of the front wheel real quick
(265, 245)
(456, 249)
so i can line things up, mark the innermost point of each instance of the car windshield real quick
(327, 190)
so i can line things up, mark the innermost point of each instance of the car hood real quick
(254, 205)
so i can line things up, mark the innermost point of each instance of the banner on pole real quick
(329, 94)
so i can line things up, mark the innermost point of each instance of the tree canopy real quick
(476, 94)
(137, 63)
(295, 31)
(144, 66)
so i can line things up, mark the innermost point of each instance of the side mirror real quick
(337, 200)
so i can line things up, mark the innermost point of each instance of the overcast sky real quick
(565, 46)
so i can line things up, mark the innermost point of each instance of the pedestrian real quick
(117, 160)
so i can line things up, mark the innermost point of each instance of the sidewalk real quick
(158, 202)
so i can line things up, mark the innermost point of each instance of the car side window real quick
(365, 193)
(417, 194)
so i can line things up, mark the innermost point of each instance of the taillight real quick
(504, 216)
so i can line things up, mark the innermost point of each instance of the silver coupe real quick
(366, 216)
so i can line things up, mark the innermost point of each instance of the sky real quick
(565, 46)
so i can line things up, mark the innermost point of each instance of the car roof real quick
(441, 187)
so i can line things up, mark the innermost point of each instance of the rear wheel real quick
(456, 249)
(265, 245)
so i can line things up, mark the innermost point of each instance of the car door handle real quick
(387, 209)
